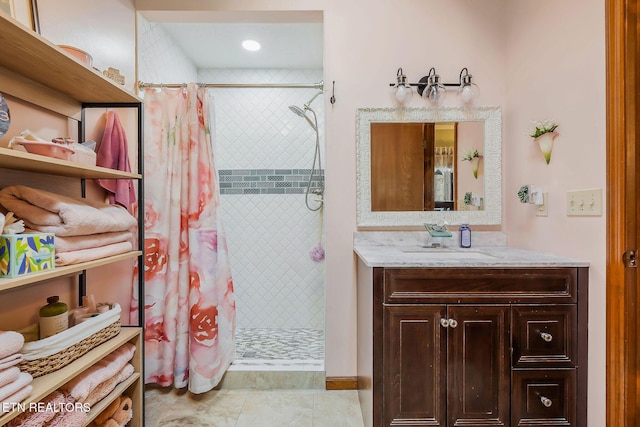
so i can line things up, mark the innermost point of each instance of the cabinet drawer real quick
(543, 336)
(544, 398)
(481, 285)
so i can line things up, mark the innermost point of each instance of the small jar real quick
(54, 317)
(465, 236)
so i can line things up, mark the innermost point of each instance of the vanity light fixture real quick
(401, 92)
(430, 88)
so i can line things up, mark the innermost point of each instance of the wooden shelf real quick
(27, 53)
(27, 279)
(46, 384)
(19, 160)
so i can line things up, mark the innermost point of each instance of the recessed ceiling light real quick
(251, 45)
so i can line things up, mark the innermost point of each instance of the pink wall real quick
(556, 70)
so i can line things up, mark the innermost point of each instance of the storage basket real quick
(55, 352)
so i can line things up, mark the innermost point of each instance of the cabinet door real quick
(478, 366)
(414, 366)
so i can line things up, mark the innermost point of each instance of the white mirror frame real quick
(492, 158)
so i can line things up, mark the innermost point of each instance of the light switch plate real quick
(584, 202)
(543, 209)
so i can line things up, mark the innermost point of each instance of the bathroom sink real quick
(443, 253)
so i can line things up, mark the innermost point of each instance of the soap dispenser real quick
(465, 236)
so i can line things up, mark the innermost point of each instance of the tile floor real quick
(252, 408)
(257, 343)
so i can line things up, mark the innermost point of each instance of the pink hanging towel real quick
(113, 153)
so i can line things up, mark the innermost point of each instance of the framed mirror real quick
(416, 166)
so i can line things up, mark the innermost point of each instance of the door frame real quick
(622, 234)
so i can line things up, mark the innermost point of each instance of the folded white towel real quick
(19, 395)
(8, 376)
(23, 380)
(10, 343)
(12, 360)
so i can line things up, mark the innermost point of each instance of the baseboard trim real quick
(341, 383)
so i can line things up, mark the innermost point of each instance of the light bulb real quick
(467, 91)
(401, 92)
(434, 91)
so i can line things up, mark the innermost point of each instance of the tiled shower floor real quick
(280, 348)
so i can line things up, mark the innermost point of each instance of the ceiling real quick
(218, 45)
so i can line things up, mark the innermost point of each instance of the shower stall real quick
(268, 159)
(271, 196)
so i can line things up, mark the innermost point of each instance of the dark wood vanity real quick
(472, 346)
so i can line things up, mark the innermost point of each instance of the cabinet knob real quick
(453, 323)
(444, 322)
(547, 337)
(546, 401)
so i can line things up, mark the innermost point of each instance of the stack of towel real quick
(88, 388)
(15, 386)
(85, 230)
(101, 378)
(53, 412)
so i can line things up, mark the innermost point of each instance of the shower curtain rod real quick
(319, 85)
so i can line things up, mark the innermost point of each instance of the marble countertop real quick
(409, 252)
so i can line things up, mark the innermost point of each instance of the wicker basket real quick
(55, 352)
(48, 364)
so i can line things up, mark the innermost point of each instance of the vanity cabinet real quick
(472, 346)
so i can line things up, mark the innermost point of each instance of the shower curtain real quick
(189, 298)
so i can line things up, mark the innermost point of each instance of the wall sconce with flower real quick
(431, 89)
(544, 134)
(473, 157)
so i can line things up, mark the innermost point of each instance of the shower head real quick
(302, 113)
(299, 111)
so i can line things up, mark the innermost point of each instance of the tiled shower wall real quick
(264, 154)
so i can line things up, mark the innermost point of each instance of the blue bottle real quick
(465, 236)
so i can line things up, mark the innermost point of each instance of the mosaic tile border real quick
(267, 181)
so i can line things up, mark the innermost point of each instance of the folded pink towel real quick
(83, 255)
(23, 380)
(65, 216)
(19, 395)
(9, 375)
(80, 387)
(106, 387)
(76, 243)
(113, 153)
(12, 360)
(74, 418)
(10, 343)
(35, 418)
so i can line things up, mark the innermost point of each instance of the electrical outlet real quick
(584, 202)
(543, 209)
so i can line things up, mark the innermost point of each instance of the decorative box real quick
(26, 253)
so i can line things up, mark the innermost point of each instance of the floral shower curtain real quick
(189, 298)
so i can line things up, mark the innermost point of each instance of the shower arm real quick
(306, 106)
